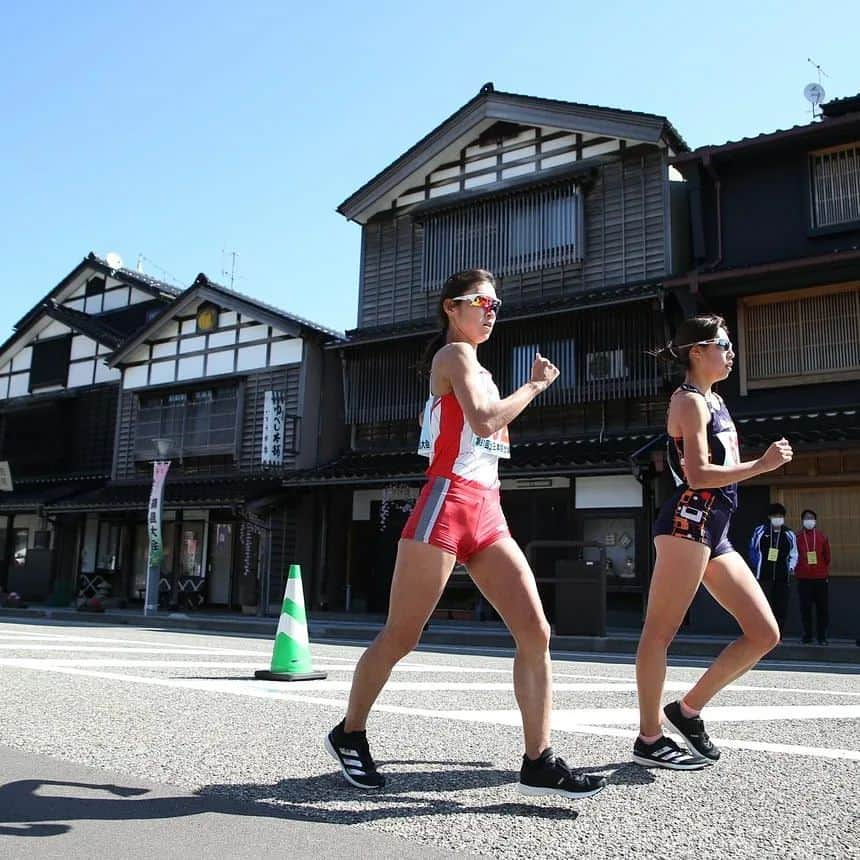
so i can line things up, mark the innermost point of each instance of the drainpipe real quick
(708, 164)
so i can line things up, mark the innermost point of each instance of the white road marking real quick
(581, 721)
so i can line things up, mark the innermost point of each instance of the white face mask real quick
(809, 524)
(777, 522)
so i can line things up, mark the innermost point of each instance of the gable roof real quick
(203, 289)
(156, 288)
(490, 106)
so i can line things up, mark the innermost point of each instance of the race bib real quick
(773, 554)
(812, 558)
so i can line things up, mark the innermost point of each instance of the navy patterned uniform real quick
(702, 515)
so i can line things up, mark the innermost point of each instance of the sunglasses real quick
(479, 300)
(722, 343)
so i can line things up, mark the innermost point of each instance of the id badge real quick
(773, 554)
(812, 558)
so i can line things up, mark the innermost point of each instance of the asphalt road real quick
(122, 742)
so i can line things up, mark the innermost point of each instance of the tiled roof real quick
(139, 277)
(33, 495)
(202, 278)
(178, 493)
(367, 467)
(525, 310)
(839, 119)
(95, 327)
(803, 427)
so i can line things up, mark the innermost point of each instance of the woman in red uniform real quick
(691, 538)
(458, 518)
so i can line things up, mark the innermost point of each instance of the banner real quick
(273, 428)
(156, 546)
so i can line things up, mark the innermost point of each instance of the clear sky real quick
(187, 130)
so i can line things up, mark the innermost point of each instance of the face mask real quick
(809, 524)
(777, 522)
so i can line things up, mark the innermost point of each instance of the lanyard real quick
(806, 540)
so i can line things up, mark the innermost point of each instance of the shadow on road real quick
(30, 808)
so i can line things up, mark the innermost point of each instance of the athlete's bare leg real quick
(420, 574)
(734, 587)
(506, 580)
(678, 572)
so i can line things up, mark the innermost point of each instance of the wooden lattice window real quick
(835, 186)
(512, 234)
(801, 337)
(836, 508)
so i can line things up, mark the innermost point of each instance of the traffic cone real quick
(291, 656)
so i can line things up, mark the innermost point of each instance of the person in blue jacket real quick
(773, 557)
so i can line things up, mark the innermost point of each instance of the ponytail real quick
(690, 332)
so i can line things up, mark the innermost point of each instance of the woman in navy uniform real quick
(691, 539)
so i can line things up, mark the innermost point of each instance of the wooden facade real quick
(775, 233)
(573, 208)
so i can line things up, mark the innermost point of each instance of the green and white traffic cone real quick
(291, 656)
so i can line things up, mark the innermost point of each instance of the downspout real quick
(708, 164)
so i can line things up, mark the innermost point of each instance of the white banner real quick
(273, 428)
(156, 547)
(5, 477)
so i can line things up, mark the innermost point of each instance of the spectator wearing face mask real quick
(813, 575)
(773, 557)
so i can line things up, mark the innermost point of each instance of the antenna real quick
(141, 258)
(814, 93)
(232, 273)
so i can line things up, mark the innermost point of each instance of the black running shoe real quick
(550, 774)
(352, 753)
(666, 753)
(692, 730)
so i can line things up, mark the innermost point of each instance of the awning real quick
(33, 496)
(583, 456)
(213, 493)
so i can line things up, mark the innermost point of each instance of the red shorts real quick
(459, 518)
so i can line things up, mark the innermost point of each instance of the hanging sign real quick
(156, 546)
(5, 477)
(273, 428)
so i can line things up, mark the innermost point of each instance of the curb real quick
(358, 631)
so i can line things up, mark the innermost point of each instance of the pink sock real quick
(687, 711)
(651, 739)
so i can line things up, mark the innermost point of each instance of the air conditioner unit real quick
(609, 364)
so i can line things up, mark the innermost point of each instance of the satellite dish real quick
(814, 94)
(114, 260)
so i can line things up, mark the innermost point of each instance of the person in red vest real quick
(813, 574)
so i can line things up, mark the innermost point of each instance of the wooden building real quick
(574, 209)
(236, 394)
(58, 402)
(775, 237)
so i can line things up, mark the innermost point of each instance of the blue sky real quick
(184, 130)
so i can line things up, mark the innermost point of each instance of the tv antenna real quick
(166, 276)
(232, 273)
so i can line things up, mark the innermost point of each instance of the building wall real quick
(626, 213)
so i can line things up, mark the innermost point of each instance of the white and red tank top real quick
(454, 449)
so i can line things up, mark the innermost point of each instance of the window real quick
(200, 423)
(835, 186)
(507, 235)
(560, 352)
(94, 287)
(803, 337)
(50, 365)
